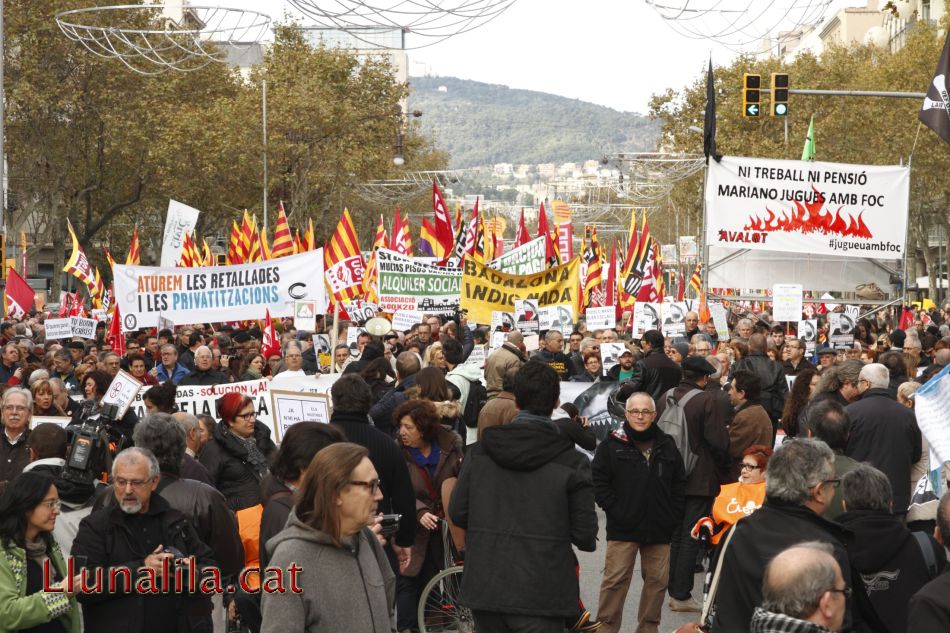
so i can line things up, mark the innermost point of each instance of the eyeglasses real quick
(245, 415)
(847, 591)
(834, 482)
(134, 483)
(750, 466)
(639, 412)
(52, 504)
(864, 380)
(373, 485)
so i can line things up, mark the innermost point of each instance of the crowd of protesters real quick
(790, 469)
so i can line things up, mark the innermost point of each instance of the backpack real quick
(477, 397)
(673, 423)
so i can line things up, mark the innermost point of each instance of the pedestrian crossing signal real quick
(779, 94)
(751, 97)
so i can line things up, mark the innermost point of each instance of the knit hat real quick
(682, 348)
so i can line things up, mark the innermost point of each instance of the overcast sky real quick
(615, 53)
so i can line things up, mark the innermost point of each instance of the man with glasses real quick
(796, 357)
(169, 368)
(640, 482)
(800, 484)
(204, 375)
(699, 345)
(804, 591)
(140, 530)
(14, 451)
(884, 433)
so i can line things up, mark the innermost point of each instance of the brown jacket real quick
(751, 425)
(429, 497)
(497, 365)
(708, 437)
(497, 411)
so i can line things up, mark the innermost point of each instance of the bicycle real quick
(439, 610)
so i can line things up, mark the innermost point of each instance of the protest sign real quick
(478, 356)
(58, 328)
(815, 208)
(526, 315)
(84, 328)
(609, 353)
(840, 330)
(218, 293)
(497, 339)
(601, 318)
(291, 407)
(406, 284)
(527, 259)
(720, 320)
(646, 316)
(674, 320)
(808, 331)
(503, 320)
(305, 315)
(532, 343)
(121, 392)
(787, 302)
(405, 319)
(557, 317)
(485, 289)
(180, 220)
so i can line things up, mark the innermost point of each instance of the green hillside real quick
(482, 124)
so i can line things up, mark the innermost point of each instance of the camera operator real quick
(95, 384)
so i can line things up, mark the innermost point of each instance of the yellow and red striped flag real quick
(309, 241)
(593, 283)
(283, 241)
(109, 257)
(234, 245)
(343, 261)
(369, 275)
(265, 247)
(78, 264)
(246, 243)
(254, 253)
(696, 279)
(134, 258)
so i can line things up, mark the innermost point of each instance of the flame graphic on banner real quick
(808, 218)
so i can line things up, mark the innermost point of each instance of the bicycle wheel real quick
(439, 610)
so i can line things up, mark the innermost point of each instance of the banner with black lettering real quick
(485, 290)
(814, 208)
(218, 293)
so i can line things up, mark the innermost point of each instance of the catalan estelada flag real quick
(343, 261)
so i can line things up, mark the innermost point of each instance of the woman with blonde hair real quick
(434, 357)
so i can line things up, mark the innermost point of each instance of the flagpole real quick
(333, 335)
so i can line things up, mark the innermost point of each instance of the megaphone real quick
(378, 326)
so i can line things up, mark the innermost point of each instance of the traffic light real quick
(750, 94)
(779, 94)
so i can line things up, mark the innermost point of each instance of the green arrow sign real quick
(752, 109)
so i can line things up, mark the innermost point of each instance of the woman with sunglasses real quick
(28, 511)
(348, 584)
(737, 500)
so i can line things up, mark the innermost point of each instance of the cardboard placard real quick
(84, 328)
(58, 328)
(403, 320)
(787, 302)
(122, 391)
(305, 315)
(290, 407)
(601, 318)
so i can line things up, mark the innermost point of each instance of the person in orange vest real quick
(737, 500)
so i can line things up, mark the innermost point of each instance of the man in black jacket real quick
(141, 530)
(654, 374)
(552, 354)
(407, 366)
(640, 482)
(352, 398)
(799, 485)
(929, 610)
(709, 440)
(525, 496)
(203, 375)
(771, 374)
(884, 433)
(891, 561)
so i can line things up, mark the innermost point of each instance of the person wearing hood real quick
(525, 538)
(890, 558)
(237, 456)
(640, 482)
(433, 454)
(344, 579)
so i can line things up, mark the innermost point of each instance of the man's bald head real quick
(515, 337)
(805, 582)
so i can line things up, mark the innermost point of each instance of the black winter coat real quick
(643, 499)
(108, 539)
(225, 457)
(929, 612)
(278, 500)
(204, 378)
(524, 496)
(708, 438)
(771, 374)
(382, 411)
(391, 468)
(654, 374)
(756, 539)
(885, 434)
(890, 562)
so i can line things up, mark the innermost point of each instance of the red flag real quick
(115, 336)
(550, 251)
(907, 319)
(270, 346)
(18, 294)
(522, 236)
(444, 234)
(65, 305)
(681, 288)
(76, 307)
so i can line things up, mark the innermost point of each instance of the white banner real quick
(58, 328)
(406, 284)
(181, 219)
(807, 207)
(601, 318)
(526, 259)
(787, 302)
(932, 402)
(83, 328)
(218, 293)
